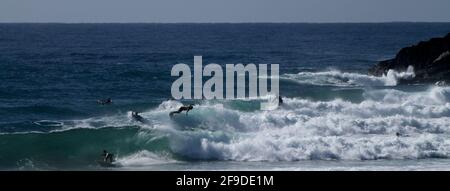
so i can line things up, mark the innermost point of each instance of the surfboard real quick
(106, 164)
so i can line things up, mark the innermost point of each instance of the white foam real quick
(309, 130)
(338, 78)
(302, 129)
(143, 158)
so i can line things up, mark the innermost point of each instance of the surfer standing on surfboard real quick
(107, 157)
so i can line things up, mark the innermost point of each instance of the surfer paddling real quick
(104, 101)
(181, 109)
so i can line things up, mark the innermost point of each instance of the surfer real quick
(280, 100)
(181, 109)
(107, 157)
(104, 101)
(137, 117)
(398, 134)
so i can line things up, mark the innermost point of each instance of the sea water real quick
(334, 115)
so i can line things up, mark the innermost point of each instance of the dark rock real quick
(430, 59)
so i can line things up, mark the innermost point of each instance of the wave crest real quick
(338, 78)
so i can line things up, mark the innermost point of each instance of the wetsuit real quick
(181, 109)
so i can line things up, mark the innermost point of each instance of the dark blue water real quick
(52, 74)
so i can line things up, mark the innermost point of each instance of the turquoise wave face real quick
(77, 148)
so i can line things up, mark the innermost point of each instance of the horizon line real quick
(351, 22)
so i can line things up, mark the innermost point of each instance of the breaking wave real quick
(338, 78)
(387, 124)
(308, 130)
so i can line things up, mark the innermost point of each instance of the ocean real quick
(334, 115)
